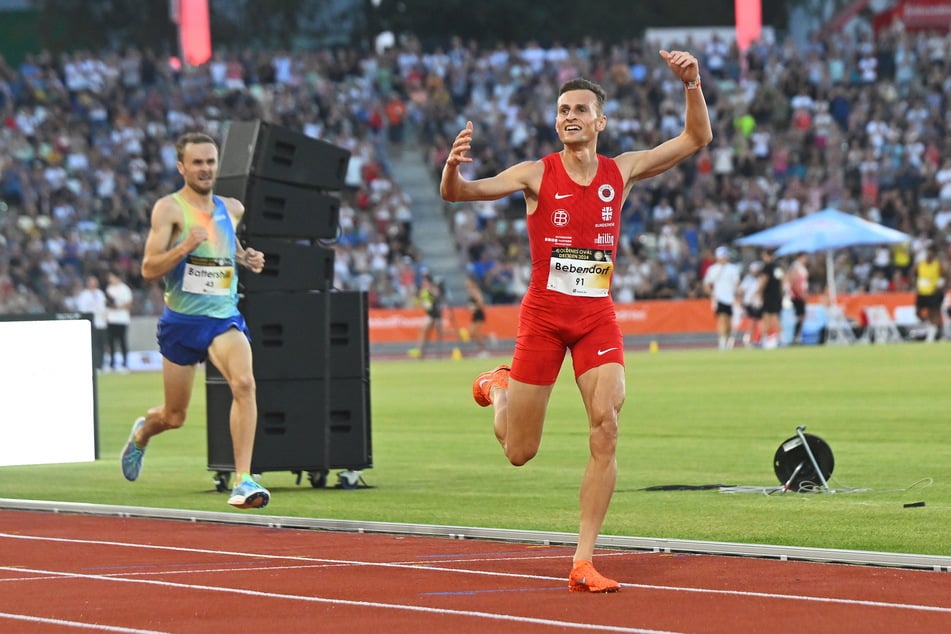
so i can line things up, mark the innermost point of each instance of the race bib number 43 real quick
(208, 276)
(580, 272)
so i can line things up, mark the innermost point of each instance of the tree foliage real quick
(64, 25)
(611, 21)
(82, 24)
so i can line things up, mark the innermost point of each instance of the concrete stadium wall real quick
(142, 333)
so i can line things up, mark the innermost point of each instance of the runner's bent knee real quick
(242, 385)
(174, 418)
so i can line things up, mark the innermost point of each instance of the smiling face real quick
(579, 117)
(198, 166)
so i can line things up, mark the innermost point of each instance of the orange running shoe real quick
(584, 578)
(482, 386)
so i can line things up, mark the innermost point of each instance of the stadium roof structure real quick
(916, 15)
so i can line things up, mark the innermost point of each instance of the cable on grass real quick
(808, 486)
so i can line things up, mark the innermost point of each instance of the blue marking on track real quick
(470, 592)
(500, 553)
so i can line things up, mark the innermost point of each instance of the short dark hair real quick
(580, 83)
(191, 137)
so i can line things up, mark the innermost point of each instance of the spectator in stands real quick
(63, 158)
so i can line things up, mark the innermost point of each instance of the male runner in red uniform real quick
(573, 200)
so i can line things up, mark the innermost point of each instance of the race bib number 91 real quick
(580, 272)
(208, 276)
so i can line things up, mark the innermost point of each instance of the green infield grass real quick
(692, 417)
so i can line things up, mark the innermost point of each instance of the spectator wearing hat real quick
(722, 283)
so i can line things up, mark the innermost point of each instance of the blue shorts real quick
(185, 339)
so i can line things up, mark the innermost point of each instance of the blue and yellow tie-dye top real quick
(205, 282)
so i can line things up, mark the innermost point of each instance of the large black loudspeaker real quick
(310, 345)
(291, 433)
(278, 210)
(264, 150)
(287, 336)
(288, 330)
(289, 266)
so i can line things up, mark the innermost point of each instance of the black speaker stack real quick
(310, 344)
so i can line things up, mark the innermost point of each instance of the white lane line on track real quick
(198, 569)
(78, 624)
(741, 593)
(230, 553)
(362, 604)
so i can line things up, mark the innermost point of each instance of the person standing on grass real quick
(118, 317)
(771, 299)
(477, 318)
(797, 280)
(432, 298)
(722, 284)
(752, 302)
(573, 202)
(929, 292)
(192, 245)
(92, 300)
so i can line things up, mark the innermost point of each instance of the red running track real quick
(61, 572)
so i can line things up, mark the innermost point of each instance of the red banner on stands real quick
(194, 30)
(749, 22)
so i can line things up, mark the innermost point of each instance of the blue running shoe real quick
(132, 455)
(248, 494)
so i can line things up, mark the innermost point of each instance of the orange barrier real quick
(651, 317)
(852, 305)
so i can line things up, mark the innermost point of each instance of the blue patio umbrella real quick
(824, 230)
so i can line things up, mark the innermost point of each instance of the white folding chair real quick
(907, 321)
(838, 327)
(881, 327)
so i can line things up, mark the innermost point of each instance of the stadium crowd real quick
(846, 120)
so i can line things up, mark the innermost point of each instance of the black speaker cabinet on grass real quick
(305, 424)
(309, 344)
(291, 433)
(286, 339)
(286, 335)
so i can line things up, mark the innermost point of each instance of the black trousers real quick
(118, 341)
(99, 336)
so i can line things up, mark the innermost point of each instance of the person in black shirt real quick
(771, 291)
